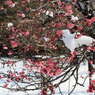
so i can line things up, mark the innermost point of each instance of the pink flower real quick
(23, 5)
(14, 44)
(8, 80)
(72, 56)
(11, 36)
(8, 2)
(41, 0)
(26, 49)
(93, 48)
(59, 24)
(10, 6)
(23, 1)
(27, 66)
(10, 62)
(59, 32)
(1, 77)
(59, 3)
(69, 7)
(80, 28)
(93, 19)
(91, 88)
(53, 24)
(5, 86)
(5, 47)
(51, 73)
(68, 60)
(22, 15)
(93, 82)
(10, 52)
(53, 47)
(1, 8)
(44, 92)
(91, 62)
(70, 25)
(70, 12)
(88, 22)
(50, 61)
(75, 53)
(88, 48)
(26, 33)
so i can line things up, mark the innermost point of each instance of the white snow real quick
(48, 13)
(13, 5)
(84, 40)
(46, 39)
(68, 39)
(74, 18)
(71, 42)
(65, 87)
(10, 24)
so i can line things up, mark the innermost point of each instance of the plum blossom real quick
(10, 52)
(5, 86)
(59, 32)
(14, 44)
(1, 8)
(70, 25)
(10, 3)
(21, 14)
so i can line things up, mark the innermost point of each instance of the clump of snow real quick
(46, 39)
(84, 40)
(13, 5)
(49, 13)
(74, 18)
(93, 76)
(68, 39)
(10, 24)
(71, 42)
